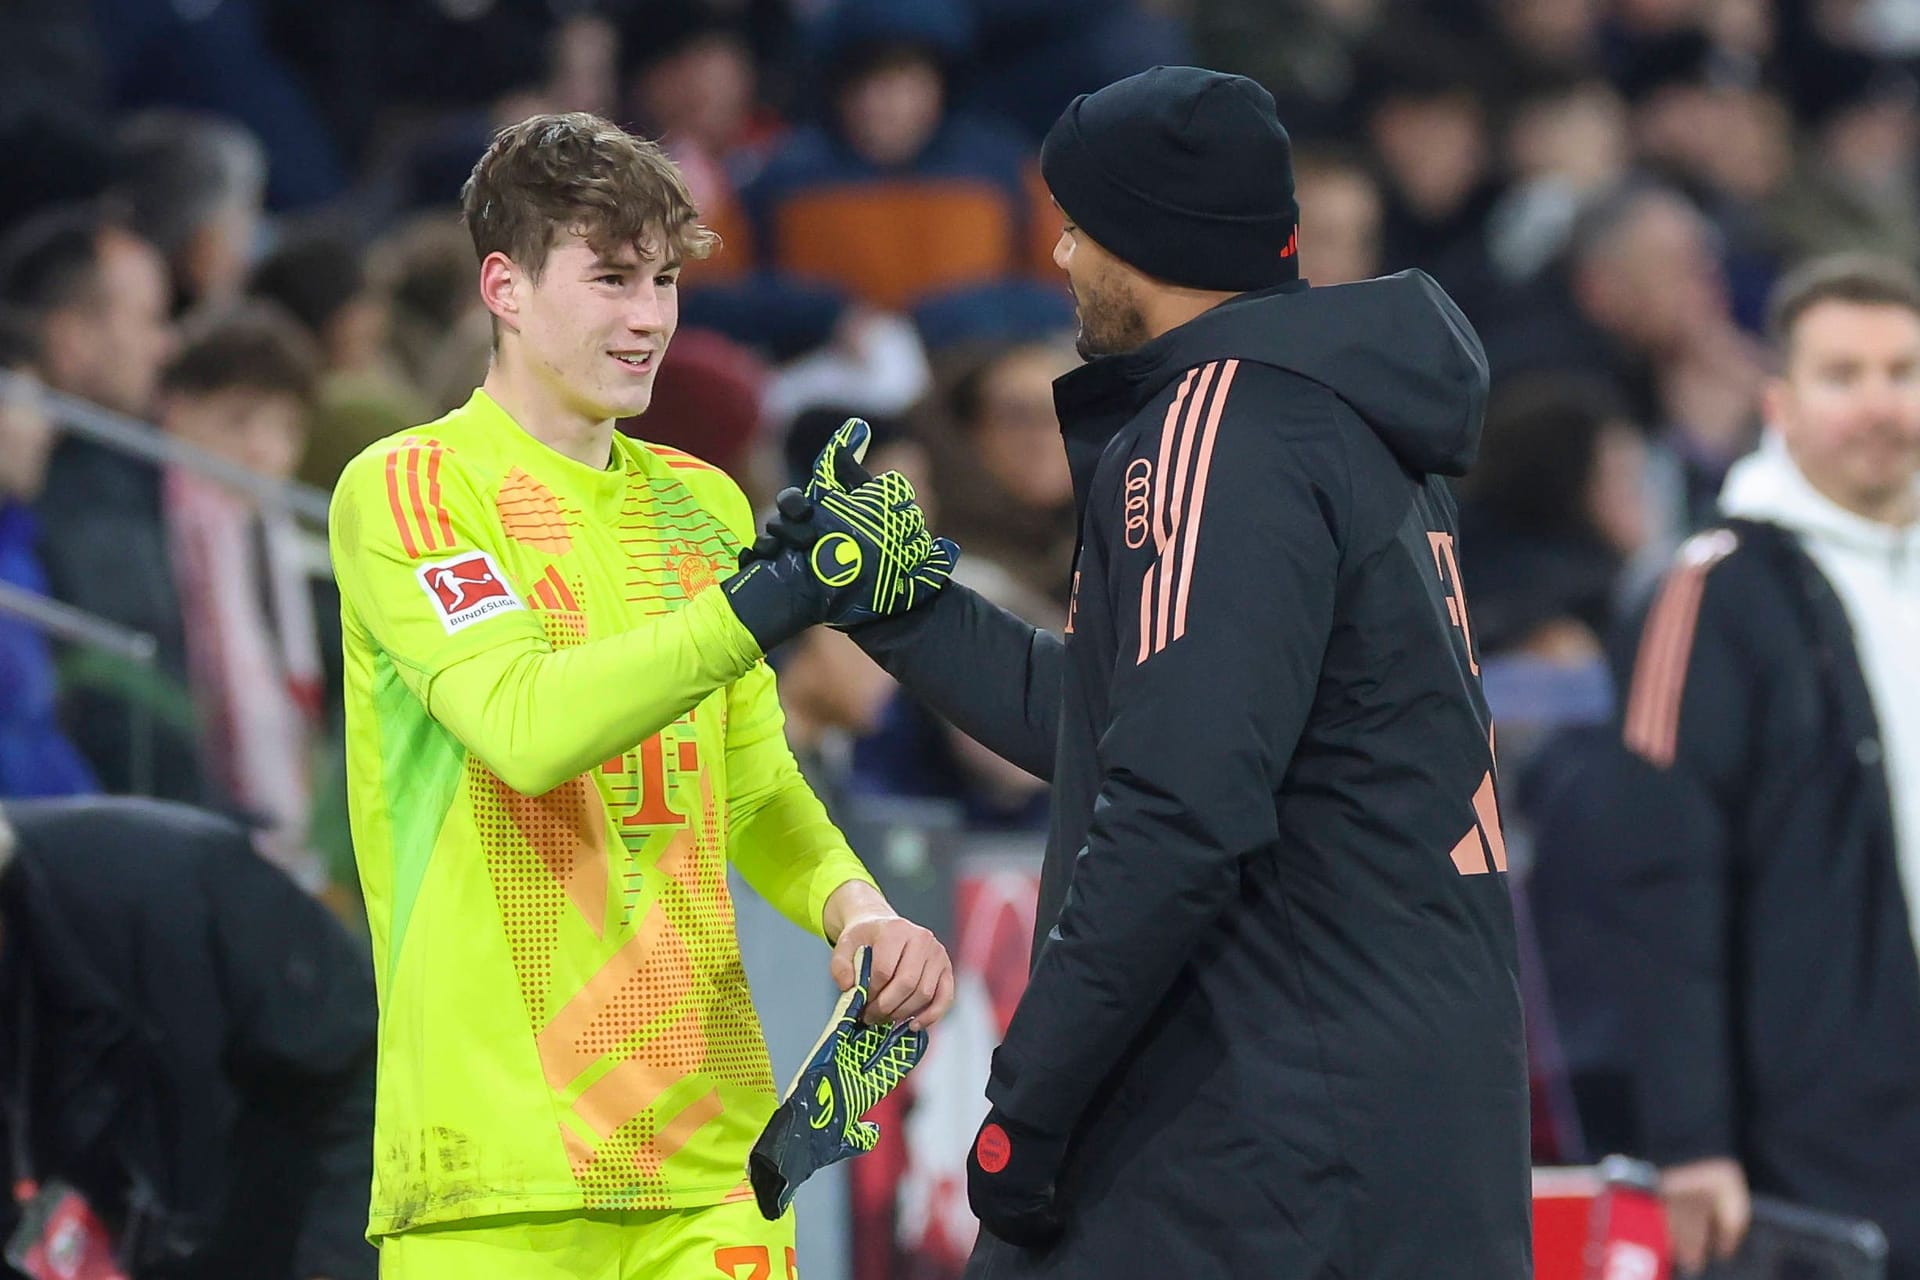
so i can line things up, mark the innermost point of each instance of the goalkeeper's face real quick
(595, 326)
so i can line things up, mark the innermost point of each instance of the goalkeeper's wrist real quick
(722, 620)
(852, 900)
(771, 601)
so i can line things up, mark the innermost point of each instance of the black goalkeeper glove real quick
(866, 554)
(840, 492)
(1011, 1173)
(818, 1123)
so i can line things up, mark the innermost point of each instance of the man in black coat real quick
(1726, 883)
(189, 1042)
(1273, 1025)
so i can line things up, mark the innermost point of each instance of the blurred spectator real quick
(1548, 38)
(214, 57)
(97, 296)
(832, 694)
(1642, 304)
(1553, 509)
(1566, 142)
(1005, 491)
(321, 279)
(425, 266)
(1859, 183)
(1032, 56)
(242, 388)
(54, 157)
(894, 197)
(693, 82)
(194, 185)
(1302, 51)
(1732, 888)
(916, 753)
(190, 1043)
(1427, 121)
(1340, 215)
(36, 759)
(875, 359)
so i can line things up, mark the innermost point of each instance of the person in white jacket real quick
(1840, 471)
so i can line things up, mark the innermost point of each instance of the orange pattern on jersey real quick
(413, 494)
(650, 1157)
(679, 459)
(566, 831)
(638, 1082)
(629, 1029)
(661, 525)
(560, 614)
(530, 899)
(643, 982)
(530, 514)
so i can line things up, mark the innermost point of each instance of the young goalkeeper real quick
(558, 734)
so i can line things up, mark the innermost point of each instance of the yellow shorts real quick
(727, 1240)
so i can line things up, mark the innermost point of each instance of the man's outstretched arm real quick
(990, 673)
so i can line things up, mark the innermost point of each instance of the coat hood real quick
(1397, 350)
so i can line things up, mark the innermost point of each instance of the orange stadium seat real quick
(890, 244)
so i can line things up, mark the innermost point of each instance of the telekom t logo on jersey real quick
(467, 588)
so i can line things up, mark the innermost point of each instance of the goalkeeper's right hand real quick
(818, 1123)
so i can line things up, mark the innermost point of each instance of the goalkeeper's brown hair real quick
(575, 172)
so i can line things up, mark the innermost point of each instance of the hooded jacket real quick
(1717, 880)
(1875, 570)
(191, 1037)
(1273, 997)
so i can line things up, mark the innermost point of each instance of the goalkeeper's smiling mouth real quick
(640, 361)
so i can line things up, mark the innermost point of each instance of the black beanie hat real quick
(1184, 174)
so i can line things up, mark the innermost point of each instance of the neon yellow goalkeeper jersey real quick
(557, 737)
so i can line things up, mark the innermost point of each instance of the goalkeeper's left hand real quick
(818, 1123)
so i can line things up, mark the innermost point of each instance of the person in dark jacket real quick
(189, 1042)
(36, 759)
(1726, 883)
(1273, 1025)
(98, 298)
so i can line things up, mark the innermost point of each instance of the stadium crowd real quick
(236, 222)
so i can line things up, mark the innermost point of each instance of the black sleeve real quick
(300, 991)
(1663, 811)
(994, 676)
(1221, 632)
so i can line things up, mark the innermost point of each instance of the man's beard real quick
(1110, 321)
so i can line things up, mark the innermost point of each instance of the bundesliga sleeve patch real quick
(467, 588)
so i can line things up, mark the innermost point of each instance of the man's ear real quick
(502, 286)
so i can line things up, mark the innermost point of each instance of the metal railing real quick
(78, 627)
(143, 440)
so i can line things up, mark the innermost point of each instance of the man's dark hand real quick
(1010, 1180)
